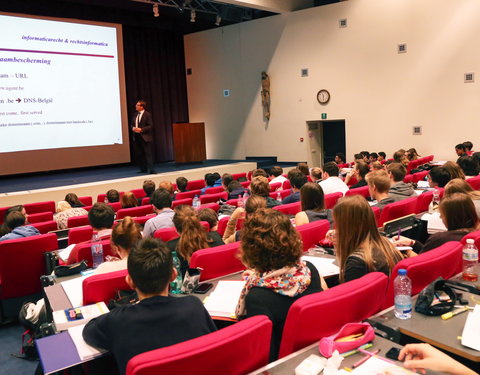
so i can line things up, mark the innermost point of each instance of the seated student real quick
(226, 179)
(124, 236)
(454, 170)
(412, 154)
(168, 186)
(128, 200)
(210, 179)
(401, 157)
(235, 190)
(15, 224)
(297, 180)
(4, 229)
(373, 157)
(366, 156)
(313, 205)
(182, 184)
(377, 166)
(358, 158)
(359, 172)
(253, 203)
(468, 147)
(316, 174)
(423, 357)
(161, 201)
(381, 156)
(64, 210)
(73, 200)
(457, 212)
(331, 183)
(359, 246)
(461, 150)
(148, 187)
(457, 185)
(218, 179)
(277, 173)
(378, 186)
(113, 196)
(339, 158)
(101, 217)
(469, 166)
(277, 277)
(158, 320)
(399, 190)
(303, 167)
(210, 216)
(438, 177)
(259, 186)
(259, 172)
(193, 236)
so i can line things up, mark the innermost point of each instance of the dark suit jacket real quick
(146, 124)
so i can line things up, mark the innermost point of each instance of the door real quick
(333, 136)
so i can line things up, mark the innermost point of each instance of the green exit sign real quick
(324, 116)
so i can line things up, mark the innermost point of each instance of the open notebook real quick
(85, 351)
(222, 302)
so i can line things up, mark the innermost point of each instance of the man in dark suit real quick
(142, 127)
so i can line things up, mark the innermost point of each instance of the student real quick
(461, 150)
(15, 224)
(381, 156)
(373, 157)
(401, 157)
(331, 183)
(4, 229)
(453, 170)
(182, 184)
(161, 201)
(359, 172)
(457, 212)
(359, 247)
(303, 167)
(399, 190)
(259, 186)
(158, 320)
(73, 200)
(313, 205)
(235, 189)
(64, 210)
(339, 158)
(277, 173)
(412, 154)
(316, 174)
(226, 179)
(438, 177)
(469, 166)
(128, 200)
(468, 147)
(379, 186)
(277, 277)
(210, 216)
(210, 179)
(148, 187)
(168, 186)
(297, 180)
(457, 185)
(113, 196)
(253, 203)
(193, 236)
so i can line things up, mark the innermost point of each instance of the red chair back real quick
(3, 210)
(222, 225)
(445, 261)
(233, 202)
(419, 176)
(85, 252)
(139, 193)
(236, 176)
(103, 287)
(195, 184)
(101, 197)
(312, 233)
(22, 264)
(352, 181)
(376, 212)
(80, 234)
(290, 208)
(283, 193)
(145, 201)
(286, 185)
(275, 186)
(408, 178)
(40, 217)
(188, 194)
(337, 306)
(77, 221)
(166, 234)
(363, 191)
(214, 190)
(87, 201)
(141, 220)
(213, 198)
(116, 206)
(398, 209)
(35, 208)
(214, 206)
(179, 202)
(475, 236)
(332, 199)
(245, 184)
(474, 182)
(134, 211)
(209, 353)
(423, 201)
(217, 261)
(45, 226)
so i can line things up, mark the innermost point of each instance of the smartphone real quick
(203, 288)
(393, 353)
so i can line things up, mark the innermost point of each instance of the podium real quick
(189, 142)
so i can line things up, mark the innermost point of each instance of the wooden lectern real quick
(189, 142)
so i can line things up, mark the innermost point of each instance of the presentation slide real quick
(60, 87)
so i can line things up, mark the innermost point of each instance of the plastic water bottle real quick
(105, 200)
(402, 287)
(176, 285)
(196, 202)
(240, 202)
(470, 261)
(246, 195)
(279, 197)
(435, 200)
(97, 250)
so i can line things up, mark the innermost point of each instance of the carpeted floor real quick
(11, 342)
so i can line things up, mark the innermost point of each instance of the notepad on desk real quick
(471, 330)
(85, 351)
(73, 290)
(324, 266)
(222, 302)
(63, 254)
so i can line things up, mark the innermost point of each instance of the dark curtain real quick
(155, 72)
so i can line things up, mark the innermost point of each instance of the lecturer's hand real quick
(137, 130)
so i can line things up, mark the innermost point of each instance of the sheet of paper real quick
(65, 253)
(73, 290)
(224, 298)
(84, 350)
(378, 366)
(324, 266)
(471, 330)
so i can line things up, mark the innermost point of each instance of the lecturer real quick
(142, 127)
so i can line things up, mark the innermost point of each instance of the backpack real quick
(31, 317)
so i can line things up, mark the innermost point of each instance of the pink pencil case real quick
(328, 344)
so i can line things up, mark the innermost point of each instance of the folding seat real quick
(40, 217)
(103, 287)
(214, 190)
(195, 184)
(45, 226)
(35, 208)
(312, 233)
(77, 221)
(290, 208)
(398, 209)
(84, 252)
(188, 194)
(179, 202)
(237, 176)
(134, 211)
(87, 200)
(213, 198)
(80, 234)
(359, 191)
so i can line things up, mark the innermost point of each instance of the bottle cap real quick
(402, 272)
(470, 241)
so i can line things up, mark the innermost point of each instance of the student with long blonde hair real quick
(359, 246)
(457, 185)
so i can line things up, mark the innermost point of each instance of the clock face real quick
(323, 96)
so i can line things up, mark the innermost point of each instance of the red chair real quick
(166, 234)
(179, 202)
(21, 265)
(332, 199)
(398, 209)
(116, 206)
(376, 213)
(283, 193)
(312, 233)
(352, 181)
(217, 261)
(222, 225)
(80, 234)
(101, 197)
(85, 252)
(286, 185)
(290, 208)
(428, 159)
(188, 194)
(233, 202)
(408, 178)
(35, 208)
(3, 211)
(419, 176)
(237, 176)
(363, 191)
(214, 190)
(134, 211)
(103, 287)
(352, 301)
(77, 221)
(214, 353)
(141, 220)
(444, 261)
(87, 208)
(213, 198)
(245, 184)
(139, 193)
(423, 201)
(45, 226)
(145, 201)
(275, 186)
(40, 217)
(249, 175)
(214, 206)
(474, 182)
(195, 184)
(87, 201)
(476, 237)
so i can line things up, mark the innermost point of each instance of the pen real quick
(451, 314)
(364, 359)
(398, 235)
(355, 351)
